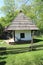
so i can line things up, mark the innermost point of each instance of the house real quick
(21, 28)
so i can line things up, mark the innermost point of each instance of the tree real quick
(9, 10)
(1, 30)
(10, 13)
(9, 6)
(38, 9)
(35, 12)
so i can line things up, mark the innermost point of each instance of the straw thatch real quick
(21, 22)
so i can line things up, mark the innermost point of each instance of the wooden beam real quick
(14, 35)
(32, 34)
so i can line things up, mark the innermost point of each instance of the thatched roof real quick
(21, 22)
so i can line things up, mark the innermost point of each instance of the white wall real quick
(27, 35)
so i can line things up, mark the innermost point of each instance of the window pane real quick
(22, 35)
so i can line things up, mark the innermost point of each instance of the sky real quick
(17, 4)
(1, 4)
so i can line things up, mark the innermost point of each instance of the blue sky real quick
(2, 3)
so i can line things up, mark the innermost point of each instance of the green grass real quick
(21, 54)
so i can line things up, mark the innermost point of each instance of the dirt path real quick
(9, 40)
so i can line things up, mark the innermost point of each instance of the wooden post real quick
(32, 34)
(14, 35)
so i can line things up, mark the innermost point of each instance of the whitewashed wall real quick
(27, 35)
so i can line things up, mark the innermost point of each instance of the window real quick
(22, 35)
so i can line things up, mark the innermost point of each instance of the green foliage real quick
(9, 6)
(9, 11)
(5, 21)
(39, 13)
(27, 9)
(35, 12)
(1, 29)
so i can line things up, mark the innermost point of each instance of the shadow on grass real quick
(37, 40)
(5, 51)
(36, 46)
(25, 42)
(2, 58)
(2, 63)
(14, 50)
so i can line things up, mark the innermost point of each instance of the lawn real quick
(21, 54)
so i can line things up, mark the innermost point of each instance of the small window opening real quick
(22, 35)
